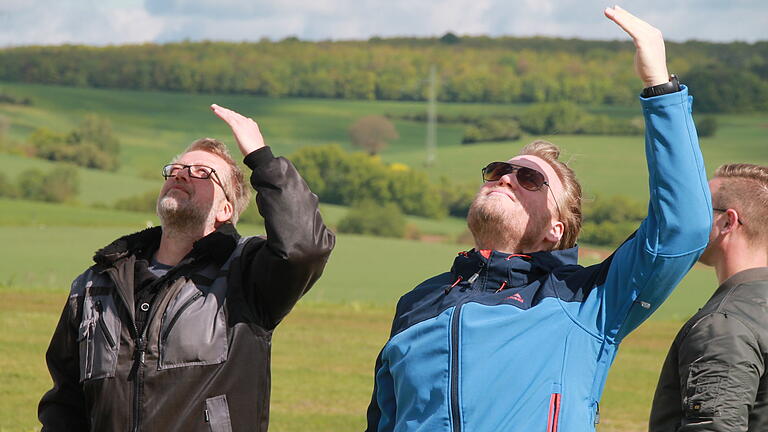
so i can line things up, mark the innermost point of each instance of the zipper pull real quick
(473, 278)
(141, 348)
(597, 412)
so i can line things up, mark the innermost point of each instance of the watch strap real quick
(668, 87)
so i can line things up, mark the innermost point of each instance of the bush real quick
(569, 118)
(61, 184)
(492, 129)
(608, 222)
(143, 203)
(7, 188)
(91, 145)
(251, 216)
(706, 126)
(370, 218)
(338, 177)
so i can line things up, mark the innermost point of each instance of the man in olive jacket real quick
(714, 378)
(171, 329)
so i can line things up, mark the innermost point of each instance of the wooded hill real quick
(726, 77)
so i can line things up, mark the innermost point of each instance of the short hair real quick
(744, 188)
(233, 184)
(570, 200)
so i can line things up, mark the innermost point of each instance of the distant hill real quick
(471, 69)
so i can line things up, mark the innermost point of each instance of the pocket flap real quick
(217, 414)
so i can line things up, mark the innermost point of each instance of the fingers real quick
(227, 114)
(624, 19)
(650, 57)
(245, 130)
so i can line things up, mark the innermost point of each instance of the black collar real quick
(216, 246)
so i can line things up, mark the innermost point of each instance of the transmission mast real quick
(432, 117)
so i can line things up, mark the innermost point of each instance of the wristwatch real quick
(668, 87)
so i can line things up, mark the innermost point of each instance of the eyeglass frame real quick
(722, 210)
(216, 179)
(516, 169)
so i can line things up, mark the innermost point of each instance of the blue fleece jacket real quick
(524, 342)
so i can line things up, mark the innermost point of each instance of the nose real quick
(509, 180)
(182, 175)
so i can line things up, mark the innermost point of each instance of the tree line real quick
(471, 69)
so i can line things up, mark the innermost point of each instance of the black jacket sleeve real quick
(63, 407)
(298, 243)
(720, 365)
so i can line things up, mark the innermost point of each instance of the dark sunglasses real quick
(528, 178)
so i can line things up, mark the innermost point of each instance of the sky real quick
(104, 22)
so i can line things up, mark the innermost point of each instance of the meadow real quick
(324, 351)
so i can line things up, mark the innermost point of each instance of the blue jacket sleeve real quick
(646, 268)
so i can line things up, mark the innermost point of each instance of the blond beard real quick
(493, 227)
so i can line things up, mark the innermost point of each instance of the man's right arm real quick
(720, 365)
(63, 407)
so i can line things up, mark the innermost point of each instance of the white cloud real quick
(24, 22)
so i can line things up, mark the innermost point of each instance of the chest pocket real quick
(98, 336)
(193, 329)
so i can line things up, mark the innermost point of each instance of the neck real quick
(735, 262)
(176, 244)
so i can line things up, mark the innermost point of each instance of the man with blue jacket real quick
(517, 336)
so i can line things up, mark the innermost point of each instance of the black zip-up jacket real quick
(201, 362)
(714, 377)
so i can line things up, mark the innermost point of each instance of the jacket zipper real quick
(455, 412)
(140, 347)
(455, 322)
(178, 314)
(554, 412)
(103, 325)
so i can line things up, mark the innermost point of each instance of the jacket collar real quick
(217, 246)
(494, 268)
(742, 277)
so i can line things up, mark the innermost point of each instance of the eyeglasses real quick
(738, 219)
(195, 171)
(529, 178)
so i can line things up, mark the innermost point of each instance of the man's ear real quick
(225, 213)
(555, 232)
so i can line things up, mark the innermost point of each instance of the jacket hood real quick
(512, 270)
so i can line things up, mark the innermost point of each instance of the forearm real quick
(295, 229)
(679, 216)
(298, 242)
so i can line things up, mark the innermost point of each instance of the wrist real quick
(671, 85)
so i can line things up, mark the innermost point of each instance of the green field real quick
(324, 351)
(154, 126)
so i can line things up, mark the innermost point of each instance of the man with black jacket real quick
(170, 330)
(714, 378)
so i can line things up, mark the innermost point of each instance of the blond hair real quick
(744, 188)
(569, 203)
(234, 184)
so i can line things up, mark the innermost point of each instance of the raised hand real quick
(650, 57)
(245, 130)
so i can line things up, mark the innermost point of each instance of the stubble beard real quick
(181, 215)
(496, 227)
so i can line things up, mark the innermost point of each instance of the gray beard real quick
(180, 217)
(493, 228)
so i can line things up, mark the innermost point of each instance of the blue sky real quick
(100, 22)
